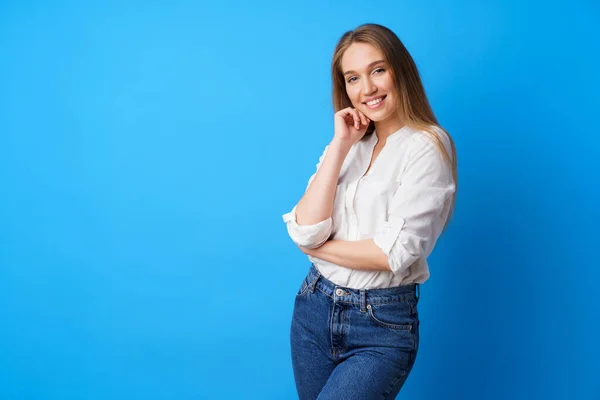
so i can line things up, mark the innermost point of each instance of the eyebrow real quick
(368, 66)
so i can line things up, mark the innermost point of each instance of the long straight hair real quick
(413, 107)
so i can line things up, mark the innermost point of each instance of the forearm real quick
(317, 203)
(361, 254)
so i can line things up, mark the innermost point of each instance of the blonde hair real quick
(413, 107)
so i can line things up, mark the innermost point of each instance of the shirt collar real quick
(400, 133)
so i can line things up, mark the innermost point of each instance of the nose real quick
(368, 87)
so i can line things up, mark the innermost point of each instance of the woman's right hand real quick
(350, 125)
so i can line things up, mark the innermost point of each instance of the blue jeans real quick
(352, 343)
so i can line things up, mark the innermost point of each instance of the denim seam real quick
(345, 331)
(321, 290)
(405, 300)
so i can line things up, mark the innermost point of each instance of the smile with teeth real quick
(375, 103)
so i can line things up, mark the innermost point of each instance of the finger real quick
(363, 118)
(356, 118)
(346, 114)
(344, 111)
(350, 116)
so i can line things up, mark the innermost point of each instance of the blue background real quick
(148, 150)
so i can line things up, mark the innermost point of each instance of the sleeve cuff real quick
(310, 236)
(387, 236)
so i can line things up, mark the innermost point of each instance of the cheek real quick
(390, 87)
(354, 95)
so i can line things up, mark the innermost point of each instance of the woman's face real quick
(369, 84)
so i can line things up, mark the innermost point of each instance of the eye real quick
(351, 79)
(379, 69)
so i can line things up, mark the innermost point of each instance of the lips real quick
(375, 102)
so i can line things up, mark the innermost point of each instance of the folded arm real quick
(309, 223)
(417, 214)
(361, 254)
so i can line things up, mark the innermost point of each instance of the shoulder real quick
(425, 137)
(428, 140)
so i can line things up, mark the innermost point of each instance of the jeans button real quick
(339, 292)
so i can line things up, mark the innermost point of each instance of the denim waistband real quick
(315, 280)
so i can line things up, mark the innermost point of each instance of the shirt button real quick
(339, 292)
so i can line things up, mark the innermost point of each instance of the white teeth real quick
(373, 102)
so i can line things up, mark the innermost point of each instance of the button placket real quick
(352, 219)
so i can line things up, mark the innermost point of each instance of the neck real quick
(386, 127)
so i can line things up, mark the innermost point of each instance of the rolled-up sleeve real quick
(314, 235)
(418, 209)
(310, 236)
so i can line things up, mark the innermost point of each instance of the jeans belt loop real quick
(363, 300)
(314, 282)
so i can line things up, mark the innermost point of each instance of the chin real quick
(377, 116)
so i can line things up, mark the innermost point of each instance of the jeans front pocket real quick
(400, 316)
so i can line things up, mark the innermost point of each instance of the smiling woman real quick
(382, 193)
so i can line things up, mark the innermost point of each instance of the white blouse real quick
(402, 203)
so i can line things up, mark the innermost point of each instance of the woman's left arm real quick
(361, 254)
(418, 212)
